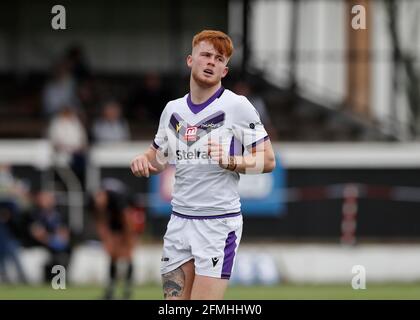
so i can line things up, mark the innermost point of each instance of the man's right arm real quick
(151, 162)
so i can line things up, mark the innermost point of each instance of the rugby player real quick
(211, 135)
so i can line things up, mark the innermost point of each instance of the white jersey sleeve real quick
(247, 126)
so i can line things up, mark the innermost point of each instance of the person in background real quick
(111, 127)
(13, 199)
(49, 231)
(69, 139)
(117, 225)
(60, 91)
(78, 65)
(80, 71)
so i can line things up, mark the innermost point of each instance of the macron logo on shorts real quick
(215, 261)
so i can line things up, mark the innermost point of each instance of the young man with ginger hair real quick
(212, 135)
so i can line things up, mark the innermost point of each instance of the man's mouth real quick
(208, 71)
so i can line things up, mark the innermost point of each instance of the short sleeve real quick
(247, 126)
(161, 139)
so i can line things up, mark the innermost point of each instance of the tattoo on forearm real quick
(173, 283)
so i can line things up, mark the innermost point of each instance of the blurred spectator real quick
(111, 127)
(77, 64)
(245, 89)
(152, 98)
(13, 189)
(60, 91)
(9, 245)
(69, 139)
(48, 230)
(82, 75)
(13, 197)
(117, 223)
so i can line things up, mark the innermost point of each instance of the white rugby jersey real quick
(202, 188)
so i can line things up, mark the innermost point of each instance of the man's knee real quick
(208, 288)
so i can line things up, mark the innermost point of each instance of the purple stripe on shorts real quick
(230, 247)
(227, 215)
(155, 145)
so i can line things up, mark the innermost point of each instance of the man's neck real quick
(200, 94)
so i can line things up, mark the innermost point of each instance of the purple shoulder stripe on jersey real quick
(236, 148)
(155, 145)
(227, 215)
(196, 108)
(229, 256)
(253, 145)
(174, 121)
(232, 147)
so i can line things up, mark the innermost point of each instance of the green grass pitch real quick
(280, 292)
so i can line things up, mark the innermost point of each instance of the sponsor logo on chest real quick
(191, 134)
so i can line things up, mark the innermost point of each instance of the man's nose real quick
(212, 61)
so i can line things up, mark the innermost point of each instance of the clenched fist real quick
(217, 153)
(141, 167)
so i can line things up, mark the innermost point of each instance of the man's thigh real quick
(177, 284)
(214, 244)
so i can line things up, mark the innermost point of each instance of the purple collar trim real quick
(196, 108)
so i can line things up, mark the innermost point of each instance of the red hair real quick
(221, 41)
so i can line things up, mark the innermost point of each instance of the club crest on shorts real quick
(191, 134)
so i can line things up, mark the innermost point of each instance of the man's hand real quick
(217, 153)
(260, 160)
(141, 167)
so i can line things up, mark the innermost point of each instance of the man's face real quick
(112, 111)
(208, 66)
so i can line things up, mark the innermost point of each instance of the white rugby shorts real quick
(211, 242)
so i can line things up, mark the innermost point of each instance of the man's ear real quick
(189, 61)
(225, 72)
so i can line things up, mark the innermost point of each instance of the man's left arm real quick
(261, 158)
(248, 129)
